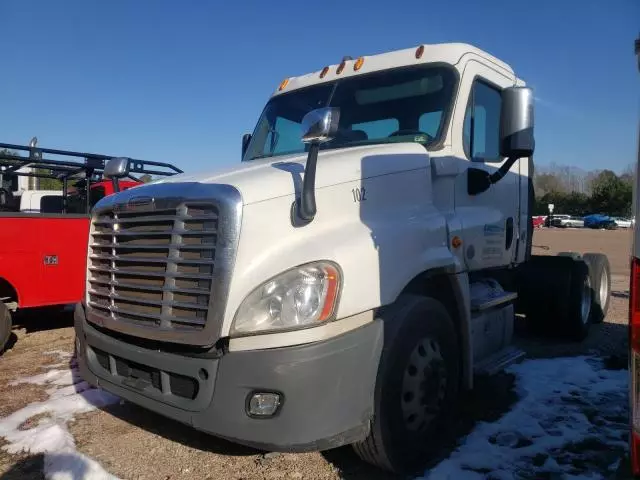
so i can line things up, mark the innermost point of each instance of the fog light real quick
(263, 404)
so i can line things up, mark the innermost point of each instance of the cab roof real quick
(448, 53)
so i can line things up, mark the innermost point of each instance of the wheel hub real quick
(423, 386)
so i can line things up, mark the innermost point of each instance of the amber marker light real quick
(332, 293)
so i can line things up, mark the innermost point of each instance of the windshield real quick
(407, 104)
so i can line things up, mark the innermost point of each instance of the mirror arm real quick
(479, 180)
(307, 205)
(116, 184)
(502, 171)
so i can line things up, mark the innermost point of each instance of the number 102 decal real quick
(359, 194)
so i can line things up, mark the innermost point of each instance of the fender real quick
(385, 241)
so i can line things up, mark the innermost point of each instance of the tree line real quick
(576, 192)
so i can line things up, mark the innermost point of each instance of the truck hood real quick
(260, 180)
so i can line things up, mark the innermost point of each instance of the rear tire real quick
(5, 326)
(552, 291)
(416, 387)
(600, 276)
(579, 303)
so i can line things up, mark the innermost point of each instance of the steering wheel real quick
(402, 133)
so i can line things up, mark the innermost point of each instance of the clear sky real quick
(181, 81)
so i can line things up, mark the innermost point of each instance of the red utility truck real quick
(43, 254)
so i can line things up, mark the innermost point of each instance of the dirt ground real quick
(135, 444)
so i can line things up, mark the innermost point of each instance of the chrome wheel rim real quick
(586, 300)
(423, 386)
(604, 288)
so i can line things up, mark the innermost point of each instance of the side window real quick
(486, 124)
(51, 204)
(429, 122)
(284, 138)
(96, 194)
(377, 128)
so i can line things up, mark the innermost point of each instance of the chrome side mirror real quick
(116, 168)
(516, 123)
(320, 125)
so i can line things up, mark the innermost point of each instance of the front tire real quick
(416, 387)
(5, 326)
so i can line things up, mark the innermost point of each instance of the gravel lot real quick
(135, 444)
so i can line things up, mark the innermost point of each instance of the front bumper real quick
(327, 387)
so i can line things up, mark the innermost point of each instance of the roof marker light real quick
(341, 67)
(284, 83)
(419, 51)
(358, 65)
(324, 72)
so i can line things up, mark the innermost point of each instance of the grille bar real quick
(116, 258)
(151, 218)
(143, 301)
(170, 246)
(142, 273)
(150, 288)
(154, 233)
(154, 268)
(161, 320)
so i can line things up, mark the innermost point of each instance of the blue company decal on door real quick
(493, 230)
(494, 238)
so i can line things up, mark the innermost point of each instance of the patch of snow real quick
(69, 395)
(571, 421)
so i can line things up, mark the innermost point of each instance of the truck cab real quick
(348, 278)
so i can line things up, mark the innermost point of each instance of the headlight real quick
(301, 297)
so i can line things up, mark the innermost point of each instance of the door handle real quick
(509, 233)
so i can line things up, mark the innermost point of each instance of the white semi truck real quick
(634, 319)
(345, 282)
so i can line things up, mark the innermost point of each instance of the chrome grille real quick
(154, 268)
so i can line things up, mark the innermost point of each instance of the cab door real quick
(491, 219)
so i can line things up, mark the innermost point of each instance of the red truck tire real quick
(5, 326)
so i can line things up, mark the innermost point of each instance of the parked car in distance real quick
(572, 222)
(539, 221)
(597, 220)
(554, 220)
(624, 222)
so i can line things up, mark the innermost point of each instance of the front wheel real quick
(416, 387)
(5, 326)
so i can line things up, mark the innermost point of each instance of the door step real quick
(499, 361)
(494, 300)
